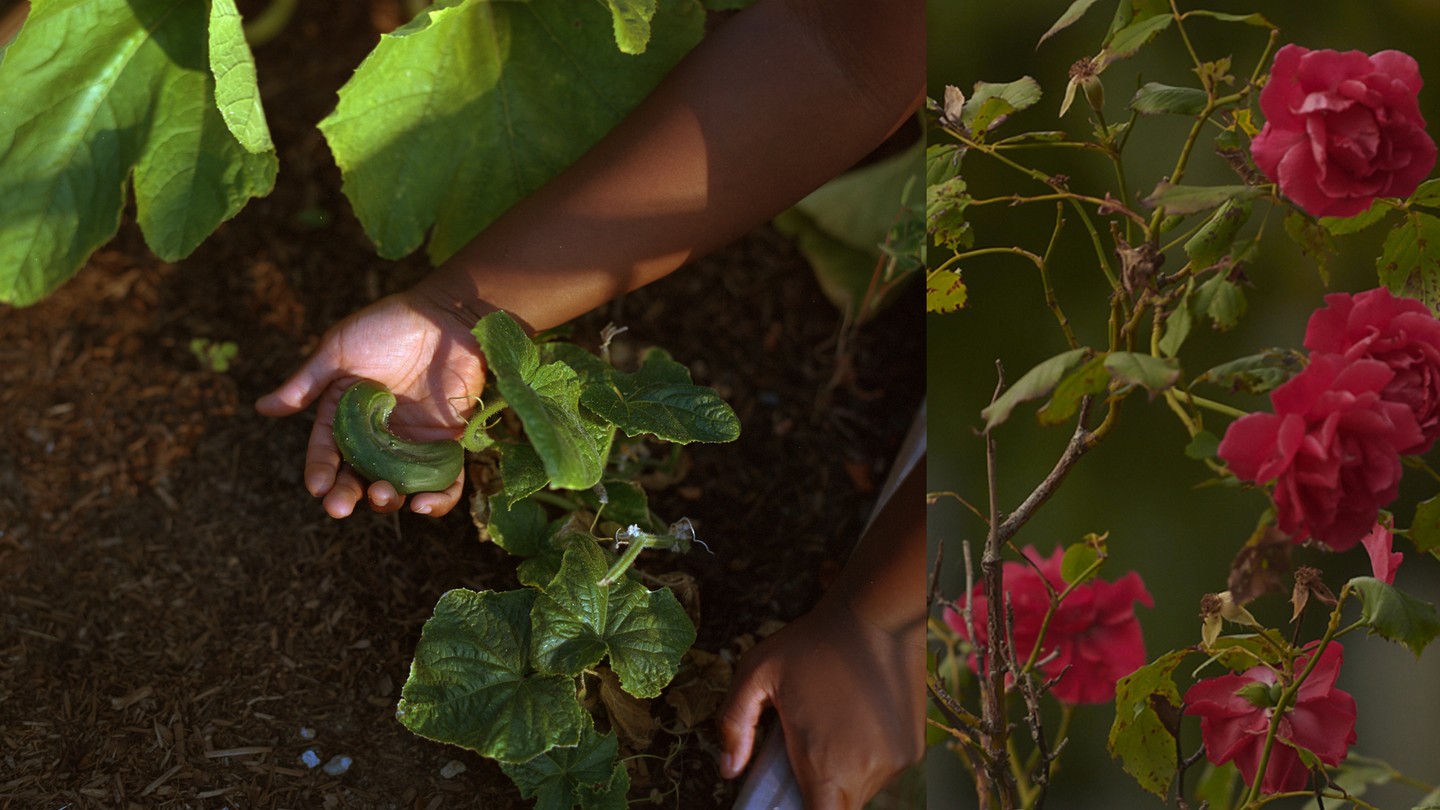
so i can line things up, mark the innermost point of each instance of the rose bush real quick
(1399, 332)
(1093, 639)
(1235, 712)
(1343, 128)
(1331, 448)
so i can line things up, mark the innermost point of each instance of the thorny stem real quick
(1050, 300)
(1016, 199)
(992, 691)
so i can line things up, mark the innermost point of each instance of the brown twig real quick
(992, 681)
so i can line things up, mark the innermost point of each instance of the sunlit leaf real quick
(661, 400)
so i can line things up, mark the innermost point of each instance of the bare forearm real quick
(779, 99)
(883, 582)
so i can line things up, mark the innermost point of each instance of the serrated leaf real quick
(520, 528)
(1138, 737)
(101, 96)
(992, 102)
(522, 472)
(1427, 193)
(1409, 262)
(1154, 98)
(942, 162)
(1425, 529)
(660, 400)
(1154, 374)
(1215, 238)
(471, 683)
(1091, 378)
(1396, 615)
(944, 291)
(1341, 226)
(1036, 383)
(1194, 199)
(474, 104)
(547, 400)
(557, 778)
(577, 622)
(237, 93)
(631, 19)
(539, 571)
(1076, 10)
(1130, 39)
(1255, 373)
(945, 206)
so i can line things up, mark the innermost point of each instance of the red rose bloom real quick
(1234, 725)
(1094, 635)
(1342, 129)
(1332, 448)
(1399, 332)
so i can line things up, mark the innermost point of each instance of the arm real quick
(779, 99)
(847, 679)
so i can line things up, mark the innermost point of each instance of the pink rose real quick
(1378, 544)
(1094, 636)
(1235, 717)
(1332, 449)
(1342, 129)
(1399, 332)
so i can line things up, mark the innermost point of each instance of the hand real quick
(422, 353)
(850, 696)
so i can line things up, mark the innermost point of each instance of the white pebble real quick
(452, 769)
(337, 765)
(310, 758)
(307, 733)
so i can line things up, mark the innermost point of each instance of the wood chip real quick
(243, 751)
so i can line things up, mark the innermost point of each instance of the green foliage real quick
(587, 772)
(1154, 374)
(944, 291)
(1425, 529)
(472, 684)
(1256, 373)
(474, 104)
(1078, 566)
(1341, 226)
(1143, 741)
(945, 206)
(1087, 380)
(1036, 383)
(994, 102)
(147, 119)
(1180, 199)
(1409, 262)
(1155, 98)
(1215, 238)
(660, 400)
(1396, 615)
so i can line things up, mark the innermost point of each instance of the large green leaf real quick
(1140, 738)
(1036, 383)
(471, 683)
(561, 778)
(547, 400)
(577, 622)
(660, 400)
(1397, 615)
(1409, 262)
(103, 94)
(521, 528)
(237, 95)
(474, 104)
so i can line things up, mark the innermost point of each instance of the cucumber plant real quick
(159, 100)
(501, 673)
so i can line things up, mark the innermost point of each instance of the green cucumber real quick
(362, 432)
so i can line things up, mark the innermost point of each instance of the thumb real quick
(302, 388)
(750, 693)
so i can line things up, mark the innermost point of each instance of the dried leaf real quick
(629, 716)
(1258, 568)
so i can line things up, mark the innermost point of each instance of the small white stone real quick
(337, 765)
(452, 769)
(310, 758)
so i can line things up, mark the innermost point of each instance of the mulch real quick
(175, 609)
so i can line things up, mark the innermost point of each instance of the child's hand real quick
(426, 356)
(851, 700)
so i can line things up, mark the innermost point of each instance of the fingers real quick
(304, 386)
(440, 503)
(322, 456)
(749, 694)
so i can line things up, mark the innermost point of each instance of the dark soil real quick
(174, 607)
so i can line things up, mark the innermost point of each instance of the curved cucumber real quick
(362, 432)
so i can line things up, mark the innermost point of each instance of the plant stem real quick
(1050, 300)
(1217, 407)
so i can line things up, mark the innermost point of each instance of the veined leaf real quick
(993, 102)
(1194, 199)
(631, 19)
(547, 400)
(660, 399)
(1154, 374)
(99, 96)
(1156, 98)
(1036, 383)
(471, 683)
(577, 622)
(237, 95)
(1256, 373)
(1340, 226)
(1396, 615)
(474, 104)
(1140, 738)
(1213, 241)
(1409, 262)
(944, 291)
(1091, 378)
(564, 777)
